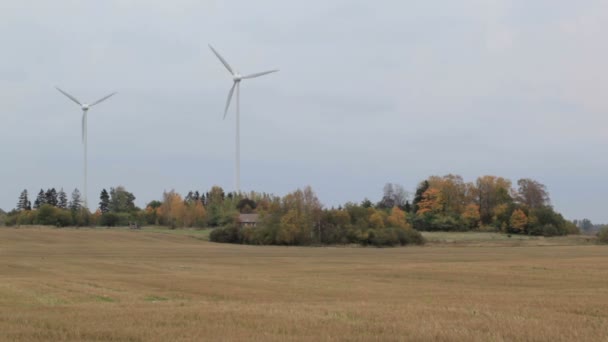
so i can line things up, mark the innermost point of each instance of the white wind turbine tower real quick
(85, 109)
(237, 78)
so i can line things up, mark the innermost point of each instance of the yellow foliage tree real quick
(471, 215)
(289, 232)
(376, 220)
(173, 209)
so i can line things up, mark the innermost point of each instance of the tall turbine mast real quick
(85, 110)
(237, 78)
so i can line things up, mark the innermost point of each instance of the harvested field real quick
(120, 285)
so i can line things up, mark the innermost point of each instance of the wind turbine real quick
(237, 78)
(85, 109)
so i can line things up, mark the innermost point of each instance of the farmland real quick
(161, 285)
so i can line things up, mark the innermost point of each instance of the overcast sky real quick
(369, 92)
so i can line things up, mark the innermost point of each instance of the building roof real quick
(248, 218)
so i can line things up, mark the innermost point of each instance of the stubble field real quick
(120, 285)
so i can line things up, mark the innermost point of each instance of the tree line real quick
(490, 203)
(440, 203)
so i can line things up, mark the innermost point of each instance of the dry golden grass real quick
(117, 285)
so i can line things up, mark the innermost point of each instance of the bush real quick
(547, 230)
(432, 223)
(410, 237)
(229, 234)
(388, 237)
(49, 215)
(63, 218)
(602, 235)
(117, 219)
(382, 237)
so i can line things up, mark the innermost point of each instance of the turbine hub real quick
(85, 107)
(237, 77)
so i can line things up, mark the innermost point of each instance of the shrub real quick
(410, 237)
(229, 234)
(117, 219)
(390, 237)
(602, 235)
(49, 215)
(546, 230)
(63, 218)
(382, 237)
(429, 222)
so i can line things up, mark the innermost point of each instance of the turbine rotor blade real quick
(229, 99)
(222, 59)
(102, 99)
(259, 74)
(69, 96)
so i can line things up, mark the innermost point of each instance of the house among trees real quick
(248, 220)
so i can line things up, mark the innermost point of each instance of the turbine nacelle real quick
(236, 77)
(85, 107)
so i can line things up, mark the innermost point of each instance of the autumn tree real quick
(431, 202)
(172, 210)
(397, 219)
(518, 221)
(376, 219)
(471, 215)
(491, 191)
(453, 192)
(532, 193)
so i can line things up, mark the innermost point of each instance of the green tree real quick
(246, 206)
(420, 190)
(121, 201)
(76, 202)
(51, 197)
(62, 199)
(602, 235)
(24, 203)
(104, 201)
(40, 199)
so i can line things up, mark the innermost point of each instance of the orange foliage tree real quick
(518, 221)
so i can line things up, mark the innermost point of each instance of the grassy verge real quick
(498, 239)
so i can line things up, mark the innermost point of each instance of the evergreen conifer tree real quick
(104, 201)
(23, 203)
(62, 199)
(51, 197)
(40, 200)
(76, 202)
